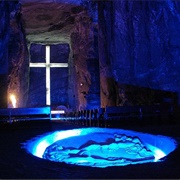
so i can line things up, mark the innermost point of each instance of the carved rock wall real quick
(85, 57)
(13, 69)
(141, 46)
(4, 37)
(18, 75)
(138, 45)
(107, 81)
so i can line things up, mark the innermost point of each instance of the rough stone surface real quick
(4, 35)
(47, 21)
(140, 46)
(108, 87)
(84, 50)
(18, 59)
(12, 56)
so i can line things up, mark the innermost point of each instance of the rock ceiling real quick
(49, 21)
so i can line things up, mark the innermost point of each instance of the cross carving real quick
(48, 65)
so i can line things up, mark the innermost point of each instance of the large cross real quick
(48, 65)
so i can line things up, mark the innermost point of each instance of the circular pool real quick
(100, 147)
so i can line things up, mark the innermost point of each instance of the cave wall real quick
(18, 75)
(4, 37)
(107, 82)
(83, 89)
(83, 74)
(139, 46)
(12, 56)
(84, 46)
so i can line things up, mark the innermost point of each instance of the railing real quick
(112, 115)
(22, 114)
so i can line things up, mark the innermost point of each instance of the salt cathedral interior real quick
(89, 89)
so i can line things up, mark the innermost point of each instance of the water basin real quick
(100, 147)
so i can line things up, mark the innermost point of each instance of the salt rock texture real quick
(49, 21)
(139, 45)
(120, 150)
(14, 54)
(18, 59)
(4, 35)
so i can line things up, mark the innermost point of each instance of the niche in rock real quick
(48, 82)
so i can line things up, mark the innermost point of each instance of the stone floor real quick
(15, 163)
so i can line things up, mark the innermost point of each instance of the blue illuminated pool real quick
(100, 147)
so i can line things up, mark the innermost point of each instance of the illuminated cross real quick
(48, 65)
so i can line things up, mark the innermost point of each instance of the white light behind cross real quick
(48, 65)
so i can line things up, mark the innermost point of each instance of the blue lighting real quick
(38, 145)
(100, 147)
